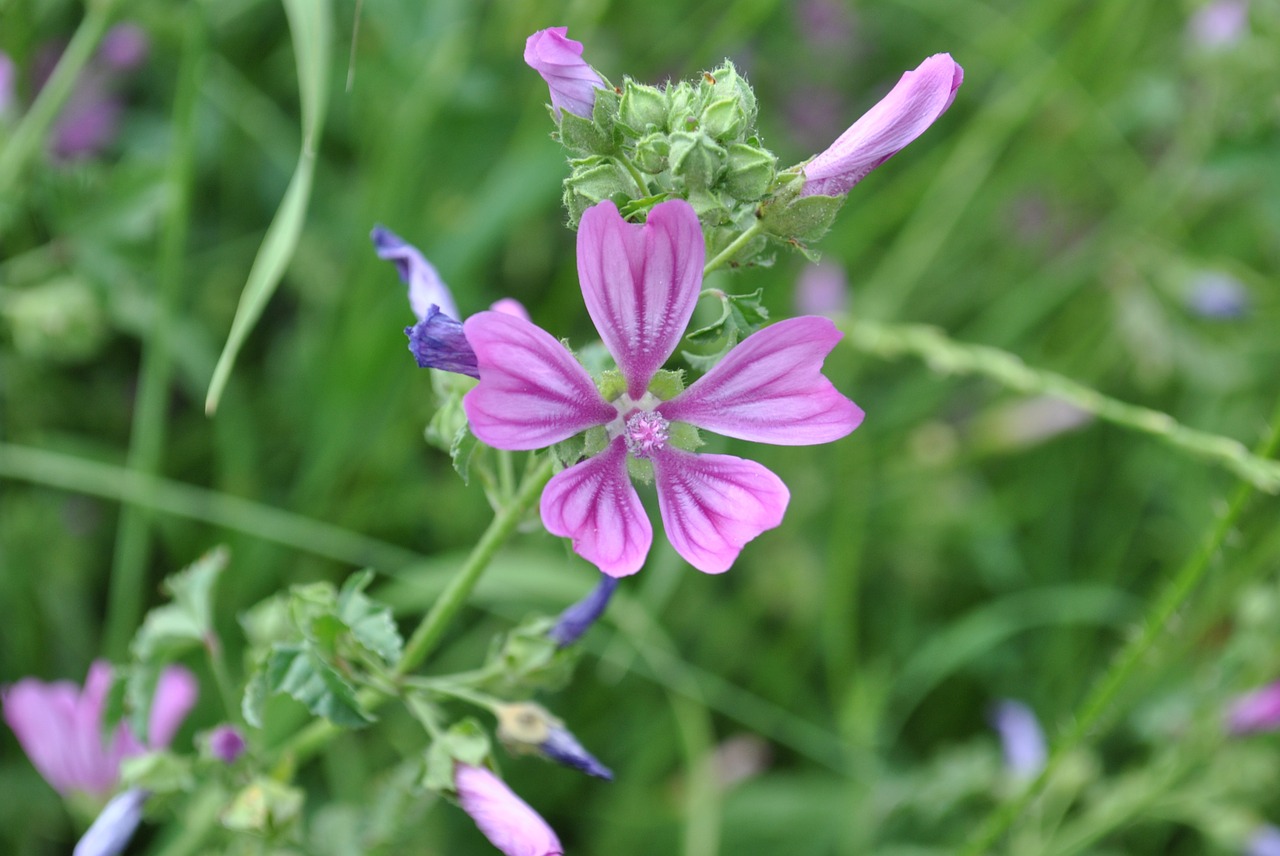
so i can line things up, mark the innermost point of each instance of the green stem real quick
(947, 356)
(635, 176)
(730, 251)
(35, 125)
(1127, 661)
(128, 574)
(429, 632)
(221, 677)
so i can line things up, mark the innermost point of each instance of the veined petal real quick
(532, 393)
(712, 505)
(558, 59)
(505, 819)
(426, 288)
(770, 389)
(920, 97)
(640, 283)
(593, 503)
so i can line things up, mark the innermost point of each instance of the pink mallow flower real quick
(505, 819)
(1258, 710)
(640, 284)
(572, 82)
(60, 727)
(920, 97)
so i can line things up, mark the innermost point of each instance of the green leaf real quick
(740, 316)
(187, 621)
(158, 772)
(461, 450)
(528, 661)
(370, 622)
(265, 807)
(299, 672)
(310, 25)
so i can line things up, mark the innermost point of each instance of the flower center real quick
(645, 433)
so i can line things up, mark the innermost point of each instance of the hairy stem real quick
(726, 255)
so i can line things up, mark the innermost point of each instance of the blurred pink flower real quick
(60, 726)
(505, 819)
(1219, 24)
(822, 289)
(1258, 710)
(920, 97)
(640, 284)
(558, 59)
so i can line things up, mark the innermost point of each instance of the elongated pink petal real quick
(558, 59)
(532, 393)
(176, 694)
(594, 503)
(505, 819)
(920, 97)
(641, 283)
(770, 389)
(712, 505)
(41, 716)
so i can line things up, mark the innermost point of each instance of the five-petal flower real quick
(640, 284)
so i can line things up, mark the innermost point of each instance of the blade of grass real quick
(310, 25)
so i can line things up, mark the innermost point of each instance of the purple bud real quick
(921, 96)
(572, 82)
(823, 289)
(1255, 711)
(576, 620)
(226, 743)
(437, 342)
(426, 288)
(124, 47)
(1020, 737)
(110, 833)
(563, 748)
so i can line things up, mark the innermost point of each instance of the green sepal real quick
(697, 160)
(750, 172)
(653, 154)
(643, 108)
(465, 742)
(804, 218)
(569, 452)
(462, 450)
(160, 772)
(594, 180)
(667, 383)
(265, 806)
(684, 436)
(726, 84)
(640, 469)
(611, 385)
(682, 107)
(526, 661)
(594, 440)
(584, 136)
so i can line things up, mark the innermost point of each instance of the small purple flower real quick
(426, 288)
(110, 832)
(226, 743)
(1218, 25)
(577, 619)
(823, 289)
(1020, 737)
(1265, 841)
(1217, 296)
(640, 284)
(505, 819)
(920, 97)
(124, 47)
(558, 59)
(1255, 711)
(60, 726)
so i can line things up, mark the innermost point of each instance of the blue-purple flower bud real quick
(527, 728)
(577, 619)
(110, 833)
(437, 342)
(226, 743)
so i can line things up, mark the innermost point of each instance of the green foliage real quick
(740, 316)
(466, 742)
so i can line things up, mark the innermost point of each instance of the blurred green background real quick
(1102, 200)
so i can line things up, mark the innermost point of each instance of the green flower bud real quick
(750, 171)
(585, 136)
(723, 120)
(696, 159)
(60, 320)
(651, 153)
(725, 84)
(643, 108)
(682, 107)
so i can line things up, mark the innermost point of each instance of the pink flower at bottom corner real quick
(640, 284)
(505, 819)
(59, 726)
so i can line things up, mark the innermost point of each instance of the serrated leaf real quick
(253, 704)
(187, 621)
(706, 362)
(740, 316)
(460, 451)
(299, 672)
(370, 622)
(465, 742)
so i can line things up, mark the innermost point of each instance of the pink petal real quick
(594, 503)
(712, 505)
(641, 283)
(505, 819)
(40, 715)
(532, 393)
(176, 694)
(511, 306)
(572, 82)
(770, 389)
(920, 97)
